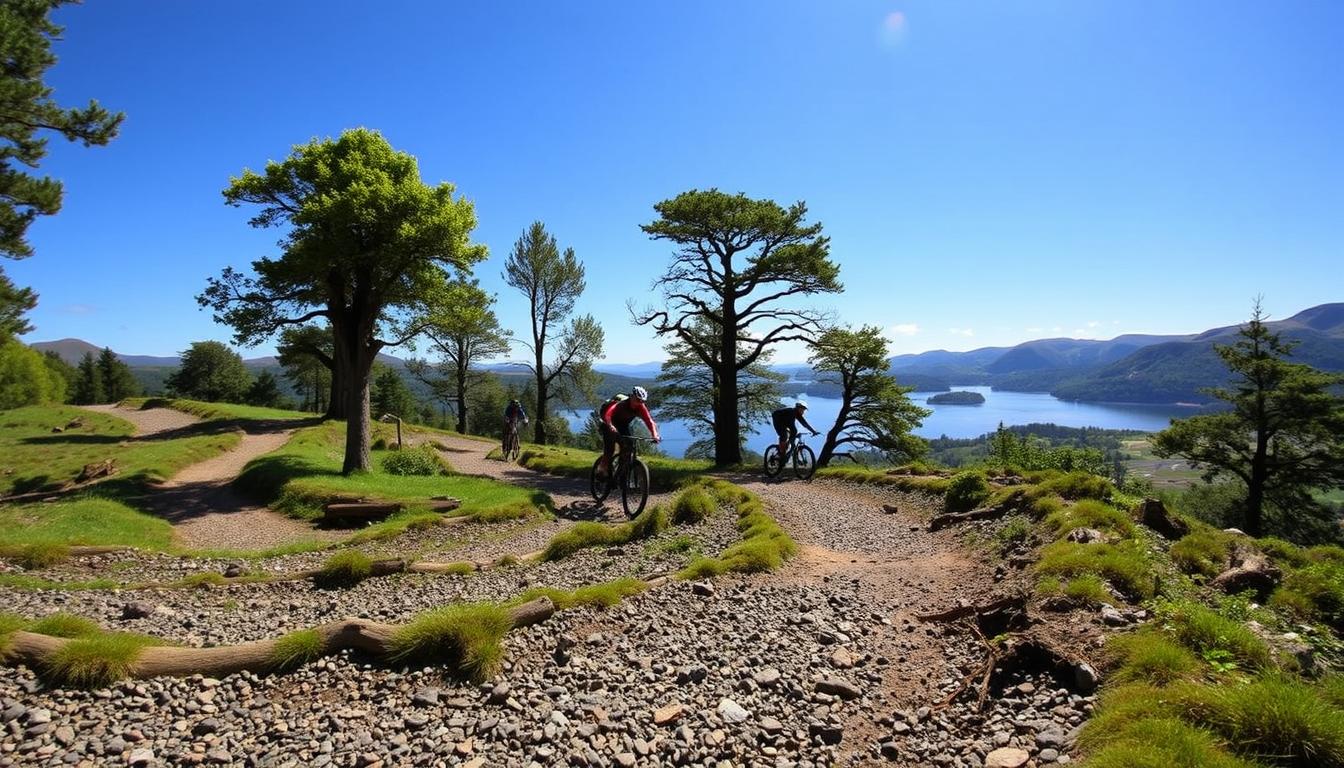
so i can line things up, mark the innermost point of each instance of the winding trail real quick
(205, 510)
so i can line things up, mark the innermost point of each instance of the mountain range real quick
(1135, 368)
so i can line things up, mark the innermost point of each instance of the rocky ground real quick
(822, 663)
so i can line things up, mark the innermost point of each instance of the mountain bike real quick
(804, 461)
(631, 474)
(512, 446)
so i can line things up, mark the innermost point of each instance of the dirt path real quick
(571, 497)
(199, 501)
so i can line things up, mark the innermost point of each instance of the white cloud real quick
(1092, 323)
(961, 331)
(903, 329)
(893, 28)
(1034, 329)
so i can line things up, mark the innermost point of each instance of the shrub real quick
(1272, 716)
(1015, 530)
(1283, 552)
(414, 461)
(692, 506)
(1090, 513)
(295, 649)
(1204, 630)
(1124, 565)
(465, 638)
(1319, 586)
(344, 569)
(96, 660)
(965, 491)
(1152, 657)
(1203, 551)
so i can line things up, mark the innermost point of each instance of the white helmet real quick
(641, 394)
(800, 404)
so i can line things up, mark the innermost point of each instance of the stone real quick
(890, 509)
(1085, 677)
(1007, 757)
(1112, 617)
(890, 750)
(415, 722)
(1048, 755)
(626, 759)
(842, 659)
(702, 588)
(732, 712)
(499, 694)
(837, 687)
(1084, 535)
(219, 756)
(429, 697)
(1051, 737)
(1154, 514)
(669, 714)
(141, 757)
(692, 674)
(235, 571)
(64, 735)
(771, 726)
(137, 610)
(766, 677)
(828, 733)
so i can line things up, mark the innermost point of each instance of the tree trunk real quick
(1255, 489)
(337, 407)
(727, 417)
(833, 434)
(461, 399)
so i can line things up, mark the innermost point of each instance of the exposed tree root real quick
(371, 637)
(1010, 504)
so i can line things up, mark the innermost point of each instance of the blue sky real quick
(988, 172)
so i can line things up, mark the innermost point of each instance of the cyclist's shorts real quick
(784, 427)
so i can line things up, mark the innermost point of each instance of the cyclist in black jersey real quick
(786, 424)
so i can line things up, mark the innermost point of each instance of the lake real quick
(962, 421)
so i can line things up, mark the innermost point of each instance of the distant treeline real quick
(956, 452)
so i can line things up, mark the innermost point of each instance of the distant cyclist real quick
(617, 415)
(512, 415)
(786, 424)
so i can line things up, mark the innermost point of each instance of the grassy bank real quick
(665, 474)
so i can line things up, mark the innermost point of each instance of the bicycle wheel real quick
(772, 463)
(804, 462)
(598, 485)
(635, 488)
(515, 447)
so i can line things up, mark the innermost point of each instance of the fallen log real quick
(371, 637)
(96, 470)
(967, 611)
(1014, 502)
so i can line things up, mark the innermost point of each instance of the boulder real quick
(1250, 570)
(1007, 757)
(1154, 514)
(1084, 535)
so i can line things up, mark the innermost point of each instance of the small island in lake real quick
(960, 397)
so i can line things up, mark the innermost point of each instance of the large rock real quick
(1154, 514)
(1250, 570)
(1007, 757)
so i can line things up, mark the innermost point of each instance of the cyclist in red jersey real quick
(616, 420)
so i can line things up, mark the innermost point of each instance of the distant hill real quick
(1140, 368)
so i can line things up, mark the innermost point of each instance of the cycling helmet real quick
(800, 404)
(515, 401)
(641, 394)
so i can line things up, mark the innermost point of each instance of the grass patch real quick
(693, 505)
(665, 473)
(423, 461)
(216, 411)
(965, 491)
(86, 519)
(677, 545)
(34, 458)
(305, 474)
(64, 625)
(1090, 513)
(465, 638)
(1275, 717)
(95, 661)
(1313, 593)
(1089, 589)
(296, 649)
(1202, 551)
(1152, 657)
(604, 595)
(935, 485)
(344, 569)
(589, 534)
(764, 546)
(1015, 530)
(1163, 742)
(34, 557)
(1125, 565)
(1207, 632)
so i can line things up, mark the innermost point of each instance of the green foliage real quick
(265, 392)
(1276, 717)
(420, 461)
(463, 329)
(43, 554)
(306, 358)
(344, 569)
(117, 380)
(1160, 742)
(1203, 550)
(1073, 485)
(1282, 552)
(15, 302)
(1009, 449)
(28, 32)
(876, 413)
(390, 395)
(95, 661)
(1282, 437)
(965, 491)
(25, 377)
(769, 257)
(465, 638)
(1152, 657)
(1314, 592)
(604, 595)
(764, 546)
(1016, 529)
(589, 534)
(693, 505)
(1203, 629)
(1124, 564)
(1089, 589)
(1090, 513)
(296, 649)
(64, 625)
(212, 372)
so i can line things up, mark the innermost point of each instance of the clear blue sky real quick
(989, 172)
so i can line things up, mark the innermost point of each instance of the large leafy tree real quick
(686, 391)
(26, 112)
(367, 246)
(1282, 434)
(26, 378)
(463, 330)
(308, 357)
(875, 412)
(212, 372)
(552, 283)
(739, 265)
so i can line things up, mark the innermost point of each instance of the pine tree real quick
(118, 381)
(89, 383)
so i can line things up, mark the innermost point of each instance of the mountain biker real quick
(786, 424)
(512, 415)
(617, 415)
